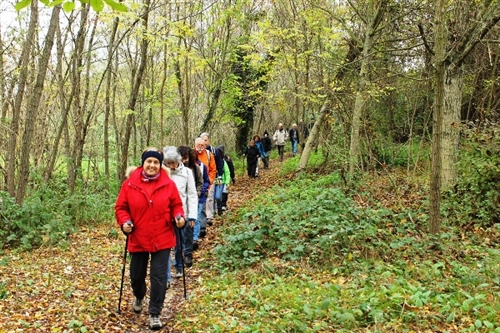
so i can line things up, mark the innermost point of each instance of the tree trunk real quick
(3, 102)
(364, 80)
(436, 157)
(136, 84)
(18, 100)
(107, 98)
(313, 136)
(447, 101)
(64, 108)
(77, 107)
(34, 104)
(450, 127)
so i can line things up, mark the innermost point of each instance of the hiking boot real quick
(203, 233)
(210, 222)
(195, 245)
(188, 261)
(137, 306)
(177, 274)
(154, 322)
(168, 285)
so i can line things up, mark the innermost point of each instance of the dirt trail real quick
(244, 189)
(75, 287)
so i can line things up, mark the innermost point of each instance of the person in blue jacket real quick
(261, 150)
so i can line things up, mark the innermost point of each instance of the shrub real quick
(475, 198)
(50, 213)
(306, 218)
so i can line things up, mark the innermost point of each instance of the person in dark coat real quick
(252, 155)
(294, 138)
(266, 142)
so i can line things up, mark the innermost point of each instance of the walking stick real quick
(182, 260)
(123, 274)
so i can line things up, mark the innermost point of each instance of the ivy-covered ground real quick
(303, 256)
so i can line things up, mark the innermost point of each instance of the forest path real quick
(75, 287)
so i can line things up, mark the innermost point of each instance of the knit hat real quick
(152, 153)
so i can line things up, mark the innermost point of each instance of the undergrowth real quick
(305, 257)
(50, 213)
(475, 198)
(310, 217)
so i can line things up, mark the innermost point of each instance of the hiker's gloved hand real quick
(180, 222)
(127, 227)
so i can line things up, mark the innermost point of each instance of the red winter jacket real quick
(151, 215)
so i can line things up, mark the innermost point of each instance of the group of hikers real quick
(167, 203)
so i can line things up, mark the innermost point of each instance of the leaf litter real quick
(75, 287)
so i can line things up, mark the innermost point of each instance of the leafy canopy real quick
(97, 5)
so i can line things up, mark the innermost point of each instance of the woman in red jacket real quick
(147, 204)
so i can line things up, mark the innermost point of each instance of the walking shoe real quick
(177, 274)
(188, 261)
(224, 208)
(168, 285)
(195, 245)
(210, 222)
(203, 233)
(154, 322)
(137, 306)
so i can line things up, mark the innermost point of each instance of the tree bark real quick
(18, 100)
(34, 104)
(313, 137)
(450, 126)
(436, 159)
(447, 102)
(64, 108)
(136, 84)
(364, 80)
(107, 98)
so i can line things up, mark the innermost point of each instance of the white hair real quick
(170, 154)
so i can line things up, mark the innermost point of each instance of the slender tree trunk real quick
(136, 84)
(364, 80)
(107, 98)
(3, 101)
(313, 136)
(34, 105)
(18, 100)
(182, 76)
(76, 81)
(436, 157)
(450, 127)
(86, 107)
(65, 105)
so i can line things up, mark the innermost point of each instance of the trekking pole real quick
(182, 260)
(123, 274)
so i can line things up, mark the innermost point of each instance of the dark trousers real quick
(252, 168)
(187, 246)
(281, 151)
(266, 160)
(158, 278)
(224, 200)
